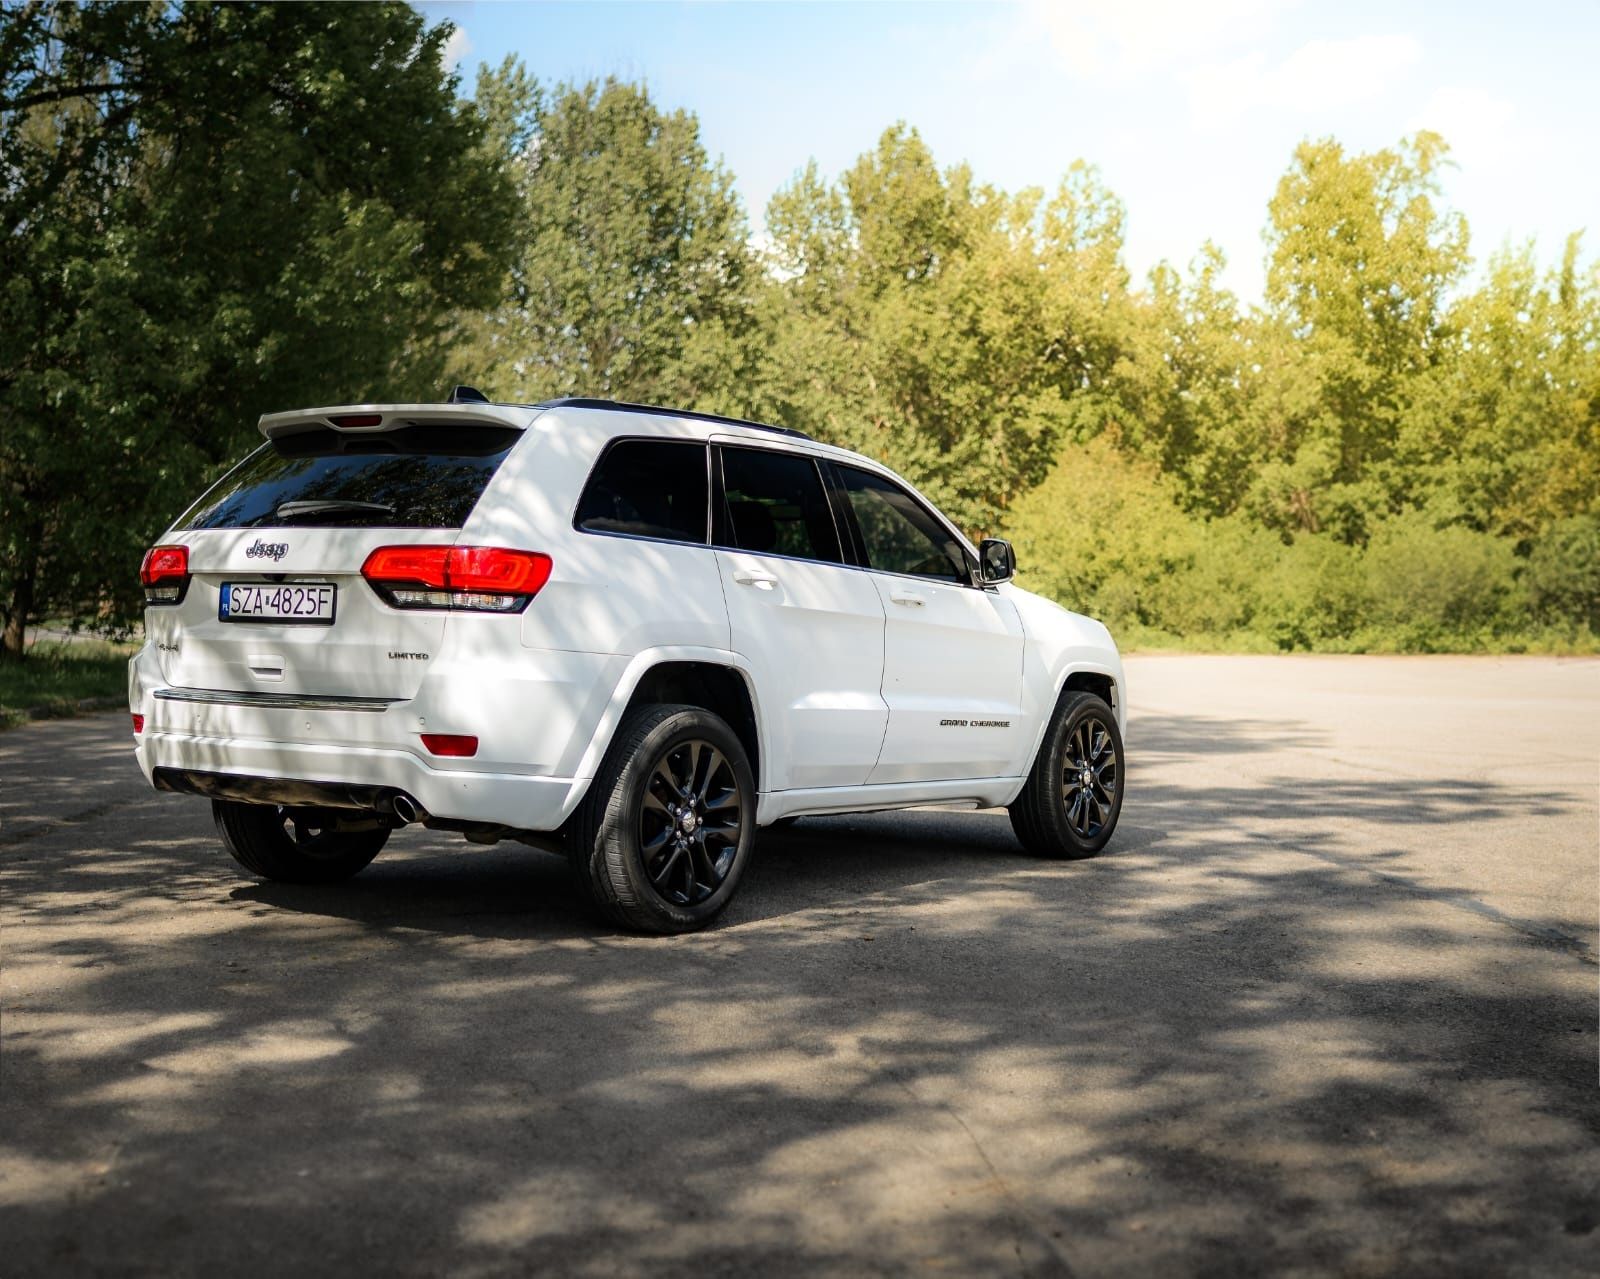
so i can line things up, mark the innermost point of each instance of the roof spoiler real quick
(364, 419)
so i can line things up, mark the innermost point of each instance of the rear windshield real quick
(415, 477)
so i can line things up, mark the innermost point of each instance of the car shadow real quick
(436, 883)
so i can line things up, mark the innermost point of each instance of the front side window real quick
(422, 476)
(648, 488)
(774, 504)
(899, 534)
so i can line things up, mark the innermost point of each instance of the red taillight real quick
(357, 420)
(487, 568)
(138, 723)
(483, 578)
(165, 574)
(458, 745)
(406, 565)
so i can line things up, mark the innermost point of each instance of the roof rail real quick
(582, 402)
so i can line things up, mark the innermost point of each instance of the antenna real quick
(464, 394)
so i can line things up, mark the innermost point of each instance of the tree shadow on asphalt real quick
(70, 775)
(909, 1045)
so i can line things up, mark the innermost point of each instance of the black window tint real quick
(774, 503)
(899, 533)
(648, 488)
(414, 477)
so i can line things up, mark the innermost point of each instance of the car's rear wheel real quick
(1070, 803)
(663, 834)
(295, 845)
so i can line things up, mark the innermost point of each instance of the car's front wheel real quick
(1070, 803)
(662, 836)
(295, 845)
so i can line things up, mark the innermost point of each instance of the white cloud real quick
(1321, 75)
(1477, 125)
(456, 47)
(1102, 40)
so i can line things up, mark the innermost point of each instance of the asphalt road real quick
(1326, 1005)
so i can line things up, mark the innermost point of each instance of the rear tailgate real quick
(296, 521)
(367, 650)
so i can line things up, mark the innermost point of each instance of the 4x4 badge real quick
(260, 550)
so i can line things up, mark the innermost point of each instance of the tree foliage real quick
(630, 267)
(210, 211)
(939, 324)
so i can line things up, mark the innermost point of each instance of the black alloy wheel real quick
(297, 845)
(1089, 777)
(691, 820)
(1069, 804)
(663, 833)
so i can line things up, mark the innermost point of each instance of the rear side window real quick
(648, 488)
(415, 477)
(898, 533)
(775, 503)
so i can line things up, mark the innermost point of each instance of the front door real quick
(952, 651)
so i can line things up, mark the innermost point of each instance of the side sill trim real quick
(276, 701)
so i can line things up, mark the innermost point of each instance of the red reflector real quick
(164, 562)
(138, 723)
(357, 419)
(488, 569)
(455, 744)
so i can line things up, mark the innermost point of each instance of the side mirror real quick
(997, 562)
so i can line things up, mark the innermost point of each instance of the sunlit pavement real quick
(1327, 1005)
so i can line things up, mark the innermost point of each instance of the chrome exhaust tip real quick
(407, 809)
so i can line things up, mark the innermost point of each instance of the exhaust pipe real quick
(407, 809)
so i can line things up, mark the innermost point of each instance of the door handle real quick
(909, 598)
(747, 577)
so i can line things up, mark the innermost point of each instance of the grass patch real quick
(58, 673)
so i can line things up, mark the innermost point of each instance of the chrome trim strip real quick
(276, 701)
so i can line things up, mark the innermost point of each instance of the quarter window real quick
(898, 533)
(774, 503)
(648, 488)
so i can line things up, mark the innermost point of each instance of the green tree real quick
(1180, 384)
(1362, 260)
(949, 328)
(631, 278)
(211, 211)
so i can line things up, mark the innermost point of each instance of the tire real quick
(293, 846)
(643, 859)
(1068, 807)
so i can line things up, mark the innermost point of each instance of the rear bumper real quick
(354, 776)
(533, 719)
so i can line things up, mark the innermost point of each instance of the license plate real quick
(307, 602)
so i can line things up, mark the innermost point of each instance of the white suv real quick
(629, 633)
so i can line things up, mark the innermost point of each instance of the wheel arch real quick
(717, 680)
(1104, 680)
(1103, 684)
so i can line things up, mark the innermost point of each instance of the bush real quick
(1563, 573)
(1104, 535)
(1438, 588)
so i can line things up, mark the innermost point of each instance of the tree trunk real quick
(20, 605)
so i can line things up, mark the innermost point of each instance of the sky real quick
(1191, 110)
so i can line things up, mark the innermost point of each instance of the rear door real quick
(810, 626)
(276, 602)
(952, 675)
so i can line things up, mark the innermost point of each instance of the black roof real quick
(580, 402)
